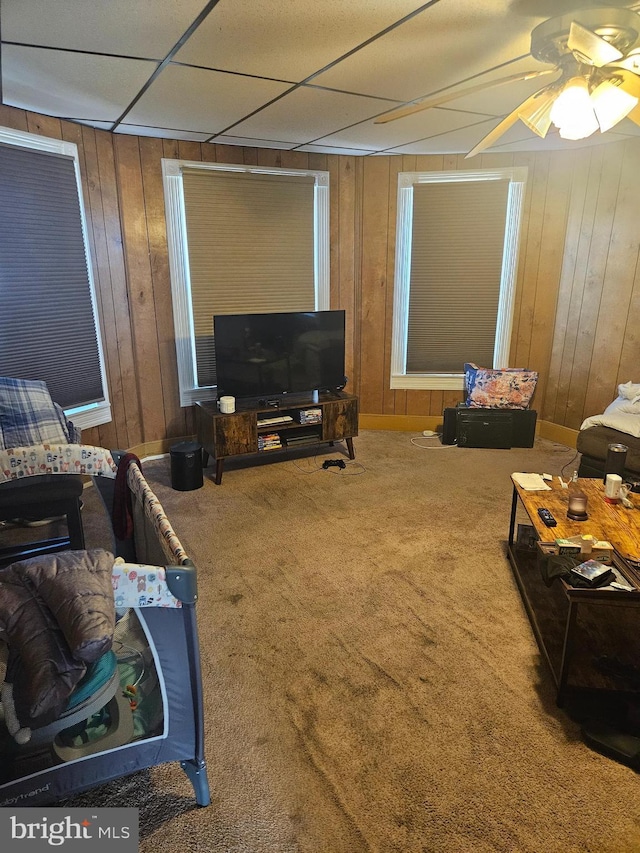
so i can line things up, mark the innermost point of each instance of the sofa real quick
(618, 424)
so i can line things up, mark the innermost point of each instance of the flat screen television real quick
(266, 355)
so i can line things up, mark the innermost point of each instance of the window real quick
(50, 323)
(242, 240)
(456, 254)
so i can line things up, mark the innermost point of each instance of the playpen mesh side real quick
(156, 542)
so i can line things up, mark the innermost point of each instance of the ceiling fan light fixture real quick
(572, 111)
(611, 104)
(537, 114)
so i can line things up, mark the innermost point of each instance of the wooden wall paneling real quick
(150, 161)
(570, 259)
(526, 161)
(249, 156)
(13, 118)
(491, 161)
(208, 152)
(617, 291)
(188, 150)
(335, 222)
(320, 162)
(106, 435)
(124, 382)
(170, 149)
(345, 211)
(585, 190)
(295, 159)
(596, 272)
(436, 402)
(629, 369)
(413, 401)
(450, 399)
(424, 163)
(142, 302)
(358, 270)
(595, 316)
(44, 125)
(269, 157)
(532, 254)
(226, 153)
(394, 402)
(417, 402)
(375, 229)
(554, 229)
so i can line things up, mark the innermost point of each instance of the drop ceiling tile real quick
(518, 138)
(627, 127)
(98, 125)
(371, 136)
(454, 142)
(201, 100)
(142, 28)
(330, 149)
(248, 142)
(271, 39)
(72, 85)
(306, 114)
(161, 132)
(448, 42)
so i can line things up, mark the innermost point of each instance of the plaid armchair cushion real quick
(28, 415)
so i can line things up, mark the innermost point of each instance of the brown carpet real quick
(371, 679)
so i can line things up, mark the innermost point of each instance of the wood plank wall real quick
(577, 316)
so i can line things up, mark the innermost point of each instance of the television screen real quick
(263, 355)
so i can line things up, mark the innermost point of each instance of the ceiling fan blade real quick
(505, 124)
(629, 82)
(428, 103)
(631, 62)
(496, 133)
(591, 46)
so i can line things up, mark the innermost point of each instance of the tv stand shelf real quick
(241, 433)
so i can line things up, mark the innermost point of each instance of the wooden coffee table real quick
(615, 523)
(589, 637)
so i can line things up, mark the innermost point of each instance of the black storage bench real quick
(496, 428)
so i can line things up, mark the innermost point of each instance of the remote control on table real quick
(546, 516)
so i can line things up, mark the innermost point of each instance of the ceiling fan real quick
(598, 82)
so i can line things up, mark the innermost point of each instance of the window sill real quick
(86, 417)
(428, 381)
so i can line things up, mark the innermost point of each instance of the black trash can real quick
(186, 466)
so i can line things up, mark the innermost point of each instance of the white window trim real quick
(406, 181)
(190, 392)
(93, 414)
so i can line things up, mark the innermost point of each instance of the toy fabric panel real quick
(505, 388)
(136, 585)
(55, 458)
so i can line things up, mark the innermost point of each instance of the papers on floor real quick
(530, 482)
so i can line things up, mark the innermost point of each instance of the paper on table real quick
(530, 482)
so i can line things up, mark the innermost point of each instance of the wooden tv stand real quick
(244, 432)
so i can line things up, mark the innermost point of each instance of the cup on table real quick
(612, 487)
(227, 405)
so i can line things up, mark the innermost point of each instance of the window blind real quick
(251, 249)
(457, 251)
(48, 325)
